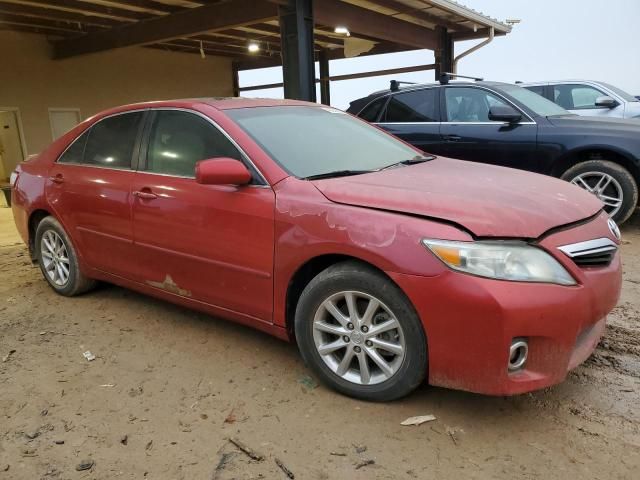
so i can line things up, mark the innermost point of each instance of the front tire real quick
(58, 259)
(610, 182)
(360, 334)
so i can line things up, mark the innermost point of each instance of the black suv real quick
(508, 125)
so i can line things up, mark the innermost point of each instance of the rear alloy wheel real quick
(58, 259)
(360, 334)
(610, 182)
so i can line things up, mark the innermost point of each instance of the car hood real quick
(598, 124)
(488, 201)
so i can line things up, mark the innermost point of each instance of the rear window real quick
(416, 106)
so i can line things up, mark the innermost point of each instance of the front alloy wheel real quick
(360, 333)
(358, 338)
(603, 186)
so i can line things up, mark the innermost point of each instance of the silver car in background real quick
(589, 98)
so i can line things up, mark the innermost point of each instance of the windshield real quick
(621, 93)
(537, 103)
(310, 141)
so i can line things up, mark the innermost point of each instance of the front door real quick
(212, 243)
(89, 188)
(581, 99)
(468, 134)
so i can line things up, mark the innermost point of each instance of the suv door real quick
(469, 134)
(414, 116)
(89, 187)
(581, 99)
(212, 243)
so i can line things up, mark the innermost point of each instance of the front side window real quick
(416, 106)
(111, 141)
(307, 141)
(178, 140)
(575, 97)
(539, 89)
(466, 104)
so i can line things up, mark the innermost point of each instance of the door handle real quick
(452, 138)
(57, 178)
(145, 194)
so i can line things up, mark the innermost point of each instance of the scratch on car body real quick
(170, 286)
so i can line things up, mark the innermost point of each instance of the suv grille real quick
(592, 253)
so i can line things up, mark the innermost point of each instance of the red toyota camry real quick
(386, 266)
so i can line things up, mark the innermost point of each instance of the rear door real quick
(212, 243)
(89, 188)
(468, 134)
(414, 116)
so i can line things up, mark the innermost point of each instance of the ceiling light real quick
(253, 47)
(342, 30)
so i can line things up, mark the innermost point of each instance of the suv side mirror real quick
(504, 113)
(222, 171)
(606, 101)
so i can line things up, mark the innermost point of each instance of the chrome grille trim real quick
(589, 247)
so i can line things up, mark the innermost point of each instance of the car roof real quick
(363, 101)
(570, 80)
(220, 103)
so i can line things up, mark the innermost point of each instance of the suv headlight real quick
(502, 260)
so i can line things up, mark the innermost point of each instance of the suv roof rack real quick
(394, 85)
(446, 76)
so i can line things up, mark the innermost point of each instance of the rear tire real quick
(618, 182)
(58, 259)
(352, 311)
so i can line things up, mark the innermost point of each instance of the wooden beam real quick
(54, 14)
(94, 8)
(34, 29)
(188, 22)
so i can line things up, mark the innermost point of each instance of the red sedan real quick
(385, 265)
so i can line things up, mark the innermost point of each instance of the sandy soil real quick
(170, 387)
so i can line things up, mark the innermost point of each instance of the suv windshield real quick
(534, 102)
(621, 93)
(312, 141)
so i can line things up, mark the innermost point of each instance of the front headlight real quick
(502, 260)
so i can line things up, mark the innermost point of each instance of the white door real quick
(11, 153)
(62, 120)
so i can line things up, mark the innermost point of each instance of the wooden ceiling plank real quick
(90, 8)
(53, 14)
(182, 24)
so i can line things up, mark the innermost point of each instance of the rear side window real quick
(179, 140)
(75, 152)
(109, 143)
(539, 89)
(372, 111)
(416, 106)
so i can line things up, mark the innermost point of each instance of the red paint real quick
(232, 249)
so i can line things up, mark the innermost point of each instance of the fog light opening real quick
(518, 354)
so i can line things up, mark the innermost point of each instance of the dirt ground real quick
(169, 387)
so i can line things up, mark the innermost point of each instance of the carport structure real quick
(259, 33)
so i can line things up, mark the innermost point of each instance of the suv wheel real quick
(610, 182)
(58, 259)
(360, 334)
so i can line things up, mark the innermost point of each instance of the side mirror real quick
(504, 113)
(222, 171)
(606, 101)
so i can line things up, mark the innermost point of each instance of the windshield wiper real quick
(338, 173)
(410, 161)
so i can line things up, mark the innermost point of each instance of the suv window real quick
(108, 143)
(468, 104)
(539, 89)
(179, 140)
(372, 111)
(111, 141)
(575, 97)
(416, 106)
